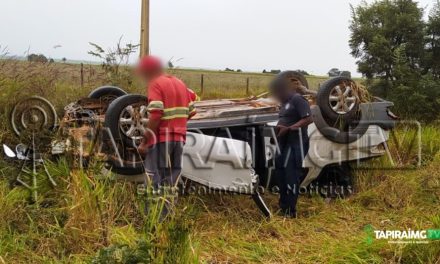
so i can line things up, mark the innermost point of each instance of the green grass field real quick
(220, 84)
(88, 219)
(52, 79)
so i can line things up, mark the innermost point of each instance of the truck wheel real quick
(338, 99)
(126, 168)
(126, 118)
(339, 132)
(107, 94)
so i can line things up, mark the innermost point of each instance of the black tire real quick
(294, 75)
(338, 132)
(346, 134)
(107, 93)
(113, 114)
(323, 101)
(126, 168)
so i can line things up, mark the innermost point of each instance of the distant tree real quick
(37, 58)
(239, 70)
(345, 74)
(415, 95)
(64, 60)
(275, 71)
(170, 64)
(399, 52)
(32, 57)
(229, 70)
(432, 62)
(334, 72)
(378, 29)
(264, 71)
(303, 72)
(51, 60)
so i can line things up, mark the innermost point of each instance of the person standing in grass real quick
(170, 105)
(293, 140)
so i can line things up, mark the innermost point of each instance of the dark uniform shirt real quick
(292, 111)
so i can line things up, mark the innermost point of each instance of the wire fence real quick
(213, 85)
(69, 81)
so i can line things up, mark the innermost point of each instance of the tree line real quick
(398, 51)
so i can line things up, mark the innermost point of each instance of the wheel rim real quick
(133, 121)
(342, 98)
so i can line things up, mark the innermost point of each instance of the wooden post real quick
(90, 73)
(202, 85)
(247, 86)
(82, 75)
(145, 28)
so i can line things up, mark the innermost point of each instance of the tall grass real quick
(329, 231)
(84, 219)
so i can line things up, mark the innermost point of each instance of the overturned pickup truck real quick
(231, 144)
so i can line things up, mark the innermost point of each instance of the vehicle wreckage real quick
(231, 144)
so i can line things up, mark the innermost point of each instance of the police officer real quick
(293, 140)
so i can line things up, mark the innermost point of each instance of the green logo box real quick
(433, 234)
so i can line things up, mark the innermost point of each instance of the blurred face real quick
(282, 96)
(280, 90)
(149, 67)
(148, 76)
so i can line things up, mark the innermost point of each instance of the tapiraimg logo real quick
(402, 236)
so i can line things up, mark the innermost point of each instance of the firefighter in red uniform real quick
(170, 105)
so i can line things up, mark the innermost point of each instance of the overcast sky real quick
(248, 34)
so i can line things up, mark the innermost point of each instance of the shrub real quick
(37, 58)
(115, 62)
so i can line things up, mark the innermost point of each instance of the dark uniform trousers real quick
(289, 170)
(164, 163)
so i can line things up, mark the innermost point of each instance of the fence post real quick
(202, 85)
(90, 73)
(82, 75)
(247, 86)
